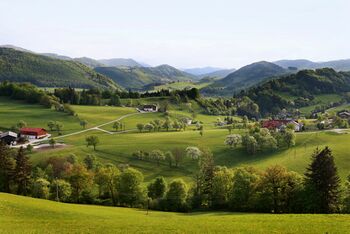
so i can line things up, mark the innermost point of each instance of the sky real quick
(182, 33)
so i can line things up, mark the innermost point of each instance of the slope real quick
(44, 71)
(298, 90)
(30, 215)
(244, 77)
(138, 77)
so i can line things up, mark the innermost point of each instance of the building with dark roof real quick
(10, 138)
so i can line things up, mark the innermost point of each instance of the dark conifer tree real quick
(22, 172)
(322, 183)
(206, 175)
(7, 165)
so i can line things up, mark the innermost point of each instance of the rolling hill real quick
(250, 75)
(244, 77)
(43, 71)
(138, 77)
(299, 90)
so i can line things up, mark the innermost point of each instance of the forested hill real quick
(43, 71)
(138, 77)
(244, 78)
(298, 90)
(250, 74)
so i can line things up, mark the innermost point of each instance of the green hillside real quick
(305, 89)
(245, 77)
(28, 215)
(43, 71)
(138, 77)
(118, 148)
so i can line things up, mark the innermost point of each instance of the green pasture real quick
(182, 85)
(118, 148)
(29, 215)
(11, 112)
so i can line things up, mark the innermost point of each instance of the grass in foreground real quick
(28, 215)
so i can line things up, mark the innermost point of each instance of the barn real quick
(33, 133)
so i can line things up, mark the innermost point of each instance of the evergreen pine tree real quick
(7, 165)
(22, 172)
(322, 183)
(206, 175)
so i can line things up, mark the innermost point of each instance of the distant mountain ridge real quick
(120, 62)
(201, 70)
(338, 65)
(218, 74)
(86, 60)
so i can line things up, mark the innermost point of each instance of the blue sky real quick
(182, 33)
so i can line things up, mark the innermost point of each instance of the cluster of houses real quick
(25, 134)
(280, 124)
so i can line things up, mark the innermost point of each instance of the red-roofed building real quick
(33, 133)
(278, 124)
(273, 124)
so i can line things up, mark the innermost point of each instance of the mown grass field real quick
(28, 215)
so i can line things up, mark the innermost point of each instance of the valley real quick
(116, 133)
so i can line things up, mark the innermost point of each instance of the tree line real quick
(244, 189)
(95, 96)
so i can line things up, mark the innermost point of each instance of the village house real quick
(33, 133)
(280, 124)
(344, 114)
(150, 108)
(10, 138)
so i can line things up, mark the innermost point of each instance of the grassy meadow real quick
(182, 85)
(30, 215)
(118, 148)
(11, 112)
